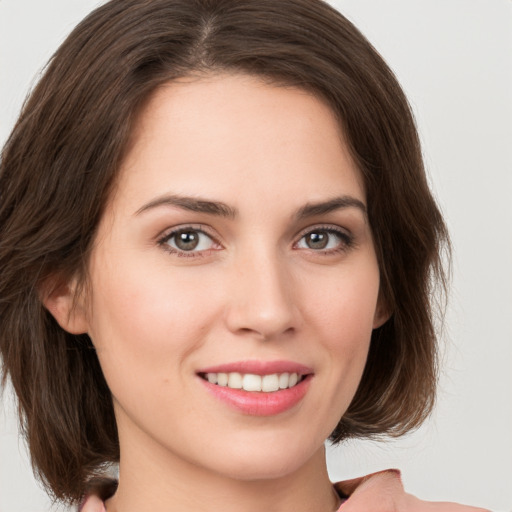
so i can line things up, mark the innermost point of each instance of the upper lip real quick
(258, 367)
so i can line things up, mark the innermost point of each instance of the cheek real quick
(342, 314)
(344, 307)
(145, 300)
(144, 323)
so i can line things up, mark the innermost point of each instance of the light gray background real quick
(454, 59)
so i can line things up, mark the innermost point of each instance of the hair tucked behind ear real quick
(59, 167)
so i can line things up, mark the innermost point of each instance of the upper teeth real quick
(251, 382)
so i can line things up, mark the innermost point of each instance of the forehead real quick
(222, 134)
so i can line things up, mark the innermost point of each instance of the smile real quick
(251, 382)
(258, 388)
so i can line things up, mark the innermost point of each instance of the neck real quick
(155, 480)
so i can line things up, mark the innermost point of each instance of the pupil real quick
(187, 240)
(317, 240)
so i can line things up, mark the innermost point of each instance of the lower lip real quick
(256, 403)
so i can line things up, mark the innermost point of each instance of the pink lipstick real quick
(258, 388)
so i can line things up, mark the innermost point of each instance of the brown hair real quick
(59, 166)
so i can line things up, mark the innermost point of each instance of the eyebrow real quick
(220, 209)
(331, 205)
(192, 204)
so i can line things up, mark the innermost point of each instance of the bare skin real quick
(237, 235)
(381, 492)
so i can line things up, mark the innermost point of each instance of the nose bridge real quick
(262, 298)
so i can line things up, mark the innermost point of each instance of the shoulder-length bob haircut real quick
(60, 164)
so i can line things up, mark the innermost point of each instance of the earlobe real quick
(382, 314)
(60, 300)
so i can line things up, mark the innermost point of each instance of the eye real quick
(324, 239)
(188, 240)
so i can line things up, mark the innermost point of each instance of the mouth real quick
(258, 388)
(269, 383)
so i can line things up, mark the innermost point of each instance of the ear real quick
(382, 313)
(60, 299)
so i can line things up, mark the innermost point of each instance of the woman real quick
(216, 218)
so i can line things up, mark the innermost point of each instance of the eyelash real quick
(163, 242)
(346, 240)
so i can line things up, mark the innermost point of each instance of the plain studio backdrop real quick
(454, 59)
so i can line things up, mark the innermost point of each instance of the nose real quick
(262, 300)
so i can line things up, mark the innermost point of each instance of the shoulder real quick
(92, 503)
(384, 492)
(98, 490)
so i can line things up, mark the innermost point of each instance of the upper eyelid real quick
(169, 232)
(209, 231)
(334, 228)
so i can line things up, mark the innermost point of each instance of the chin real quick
(257, 462)
(251, 471)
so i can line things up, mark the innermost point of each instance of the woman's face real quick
(236, 248)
